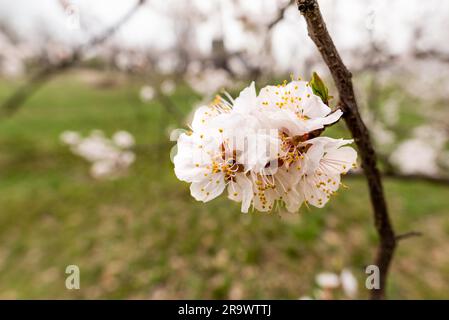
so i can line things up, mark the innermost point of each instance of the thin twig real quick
(407, 235)
(279, 16)
(342, 78)
(42, 76)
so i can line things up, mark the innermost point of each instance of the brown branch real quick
(42, 76)
(279, 16)
(408, 235)
(342, 78)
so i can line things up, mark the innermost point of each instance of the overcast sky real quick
(392, 21)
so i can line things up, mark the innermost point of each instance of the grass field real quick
(143, 236)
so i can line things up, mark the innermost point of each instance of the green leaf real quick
(319, 88)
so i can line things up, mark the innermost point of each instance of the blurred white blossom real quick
(109, 158)
(327, 280)
(123, 139)
(332, 286)
(70, 137)
(349, 283)
(415, 156)
(434, 135)
(147, 93)
(168, 87)
(420, 154)
(381, 135)
(208, 81)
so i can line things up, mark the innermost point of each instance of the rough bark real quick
(342, 77)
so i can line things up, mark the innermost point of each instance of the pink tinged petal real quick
(312, 158)
(332, 182)
(286, 181)
(241, 191)
(235, 192)
(293, 200)
(263, 201)
(297, 86)
(314, 195)
(268, 97)
(330, 143)
(271, 196)
(284, 119)
(288, 178)
(208, 188)
(262, 149)
(304, 100)
(202, 117)
(267, 92)
(333, 117)
(340, 160)
(185, 171)
(313, 106)
(319, 123)
(192, 158)
(318, 188)
(247, 100)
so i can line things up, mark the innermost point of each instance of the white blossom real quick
(331, 285)
(96, 147)
(147, 93)
(208, 81)
(327, 159)
(258, 148)
(415, 156)
(209, 159)
(328, 280)
(109, 158)
(420, 154)
(102, 169)
(123, 139)
(168, 87)
(70, 137)
(294, 108)
(349, 283)
(381, 135)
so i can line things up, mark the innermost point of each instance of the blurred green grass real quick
(143, 236)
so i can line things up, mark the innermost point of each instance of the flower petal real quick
(209, 188)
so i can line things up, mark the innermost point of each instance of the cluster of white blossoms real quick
(265, 148)
(109, 158)
(207, 81)
(431, 142)
(148, 93)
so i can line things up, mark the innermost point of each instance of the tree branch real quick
(42, 76)
(407, 235)
(342, 78)
(279, 16)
